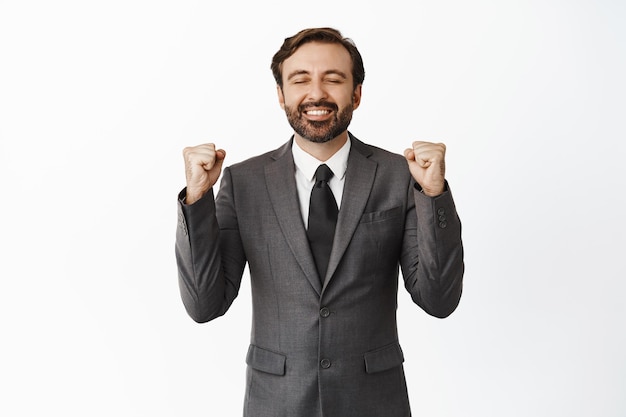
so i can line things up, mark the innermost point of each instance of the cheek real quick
(343, 98)
(289, 101)
(294, 95)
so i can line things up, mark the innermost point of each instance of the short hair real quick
(326, 35)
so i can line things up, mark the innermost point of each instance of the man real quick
(324, 340)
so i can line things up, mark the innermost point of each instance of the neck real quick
(322, 151)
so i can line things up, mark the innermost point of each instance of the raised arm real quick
(210, 260)
(432, 254)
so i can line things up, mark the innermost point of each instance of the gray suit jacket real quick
(318, 349)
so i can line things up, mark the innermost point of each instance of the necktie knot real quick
(323, 173)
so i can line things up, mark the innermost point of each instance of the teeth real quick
(317, 112)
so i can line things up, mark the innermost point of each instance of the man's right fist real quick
(203, 166)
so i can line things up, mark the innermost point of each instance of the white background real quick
(97, 100)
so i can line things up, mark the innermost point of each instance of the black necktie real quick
(322, 219)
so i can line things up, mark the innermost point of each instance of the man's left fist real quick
(428, 166)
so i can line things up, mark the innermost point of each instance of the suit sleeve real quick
(209, 253)
(432, 253)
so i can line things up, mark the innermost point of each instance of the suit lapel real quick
(360, 176)
(281, 185)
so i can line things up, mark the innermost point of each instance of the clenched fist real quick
(427, 165)
(203, 165)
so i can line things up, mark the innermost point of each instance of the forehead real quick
(319, 56)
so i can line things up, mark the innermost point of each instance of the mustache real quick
(322, 103)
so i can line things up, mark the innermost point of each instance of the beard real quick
(319, 131)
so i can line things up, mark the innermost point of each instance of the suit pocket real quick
(377, 216)
(265, 360)
(384, 358)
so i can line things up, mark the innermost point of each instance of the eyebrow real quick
(305, 72)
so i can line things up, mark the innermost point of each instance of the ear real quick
(281, 97)
(356, 96)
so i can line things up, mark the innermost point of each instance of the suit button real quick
(325, 363)
(324, 312)
(441, 211)
(443, 225)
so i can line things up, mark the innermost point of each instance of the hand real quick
(427, 165)
(203, 166)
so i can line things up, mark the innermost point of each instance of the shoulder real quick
(383, 157)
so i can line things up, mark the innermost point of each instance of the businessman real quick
(325, 223)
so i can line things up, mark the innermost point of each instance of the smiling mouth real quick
(317, 112)
(319, 109)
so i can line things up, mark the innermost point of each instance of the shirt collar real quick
(307, 163)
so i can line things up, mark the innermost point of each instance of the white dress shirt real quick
(306, 165)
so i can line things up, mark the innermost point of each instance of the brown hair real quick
(327, 35)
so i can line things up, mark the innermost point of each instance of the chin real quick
(318, 139)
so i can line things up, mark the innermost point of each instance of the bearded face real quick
(318, 92)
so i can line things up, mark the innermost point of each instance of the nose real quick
(317, 91)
